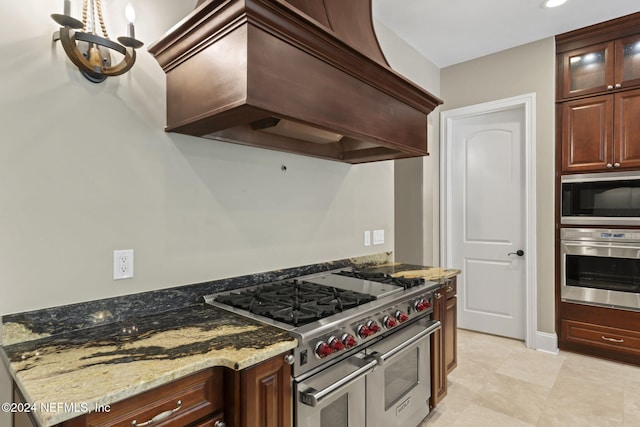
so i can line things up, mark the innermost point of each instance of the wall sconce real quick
(90, 52)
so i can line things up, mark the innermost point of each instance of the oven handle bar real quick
(313, 397)
(382, 358)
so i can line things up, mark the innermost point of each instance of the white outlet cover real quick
(367, 238)
(123, 264)
(378, 237)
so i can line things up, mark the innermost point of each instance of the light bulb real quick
(130, 13)
(554, 3)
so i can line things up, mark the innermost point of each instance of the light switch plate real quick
(367, 238)
(378, 237)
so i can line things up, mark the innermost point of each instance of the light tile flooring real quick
(499, 382)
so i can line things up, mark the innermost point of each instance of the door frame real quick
(447, 121)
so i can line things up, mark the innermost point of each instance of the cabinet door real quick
(627, 129)
(438, 369)
(266, 394)
(627, 69)
(450, 335)
(587, 134)
(587, 70)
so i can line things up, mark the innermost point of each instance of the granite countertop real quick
(105, 364)
(434, 274)
(96, 353)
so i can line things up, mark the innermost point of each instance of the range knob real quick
(349, 340)
(323, 349)
(422, 305)
(335, 344)
(401, 316)
(389, 322)
(363, 331)
(373, 326)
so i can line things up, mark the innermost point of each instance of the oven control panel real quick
(369, 328)
(600, 235)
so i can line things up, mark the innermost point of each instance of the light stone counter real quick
(109, 363)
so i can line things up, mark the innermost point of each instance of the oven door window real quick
(607, 273)
(336, 414)
(400, 377)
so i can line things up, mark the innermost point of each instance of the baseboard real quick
(546, 342)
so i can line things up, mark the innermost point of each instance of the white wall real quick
(416, 180)
(87, 168)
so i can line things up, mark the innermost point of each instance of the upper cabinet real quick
(601, 133)
(600, 68)
(598, 96)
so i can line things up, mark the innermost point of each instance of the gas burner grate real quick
(294, 302)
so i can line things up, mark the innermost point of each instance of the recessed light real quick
(554, 3)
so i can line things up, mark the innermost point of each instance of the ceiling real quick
(448, 32)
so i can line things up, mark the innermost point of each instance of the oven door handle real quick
(382, 358)
(313, 397)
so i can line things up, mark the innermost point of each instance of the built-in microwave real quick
(610, 199)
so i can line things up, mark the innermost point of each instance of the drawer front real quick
(601, 336)
(451, 289)
(176, 404)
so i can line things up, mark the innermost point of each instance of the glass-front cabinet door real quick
(627, 72)
(588, 70)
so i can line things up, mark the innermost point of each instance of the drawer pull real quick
(438, 295)
(450, 288)
(160, 417)
(612, 339)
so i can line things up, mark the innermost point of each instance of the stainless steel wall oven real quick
(601, 267)
(609, 199)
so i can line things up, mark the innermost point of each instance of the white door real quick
(488, 211)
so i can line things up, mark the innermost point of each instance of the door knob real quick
(519, 252)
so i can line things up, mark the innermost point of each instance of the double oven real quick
(600, 239)
(363, 354)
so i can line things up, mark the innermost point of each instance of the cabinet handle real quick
(618, 85)
(160, 417)
(220, 424)
(612, 339)
(438, 295)
(610, 87)
(450, 288)
(616, 165)
(609, 165)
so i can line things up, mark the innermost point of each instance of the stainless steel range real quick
(363, 355)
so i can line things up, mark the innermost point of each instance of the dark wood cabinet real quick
(600, 331)
(259, 396)
(601, 133)
(598, 95)
(196, 400)
(444, 344)
(597, 130)
(451, 327)
(599, 68)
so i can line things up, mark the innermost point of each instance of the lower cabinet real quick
(600, 331)
(444, 344)
(259, 396)
(451, 327)
(196, 400)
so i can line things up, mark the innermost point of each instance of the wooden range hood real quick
(302, 76)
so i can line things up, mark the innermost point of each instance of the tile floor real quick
(499, 382)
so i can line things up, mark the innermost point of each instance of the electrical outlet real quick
(378, 237)
(123, 264)
(367, 238)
